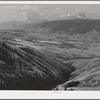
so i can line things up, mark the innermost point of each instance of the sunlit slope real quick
(85, 77)
(87, 72)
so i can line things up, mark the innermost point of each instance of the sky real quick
(26, 12)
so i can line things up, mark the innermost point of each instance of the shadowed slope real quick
(25, 68)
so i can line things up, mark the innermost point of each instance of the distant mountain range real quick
(69, 29)
(80, 26)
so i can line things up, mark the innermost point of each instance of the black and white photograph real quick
(53, 47)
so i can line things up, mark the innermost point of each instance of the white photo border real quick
(31, 94)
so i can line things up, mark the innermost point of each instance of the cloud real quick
(25, 7)
(8, 7)
(29, 7)
(43, 12)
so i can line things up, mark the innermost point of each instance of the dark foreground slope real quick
(26, 68)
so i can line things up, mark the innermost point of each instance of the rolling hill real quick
(79, 26)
